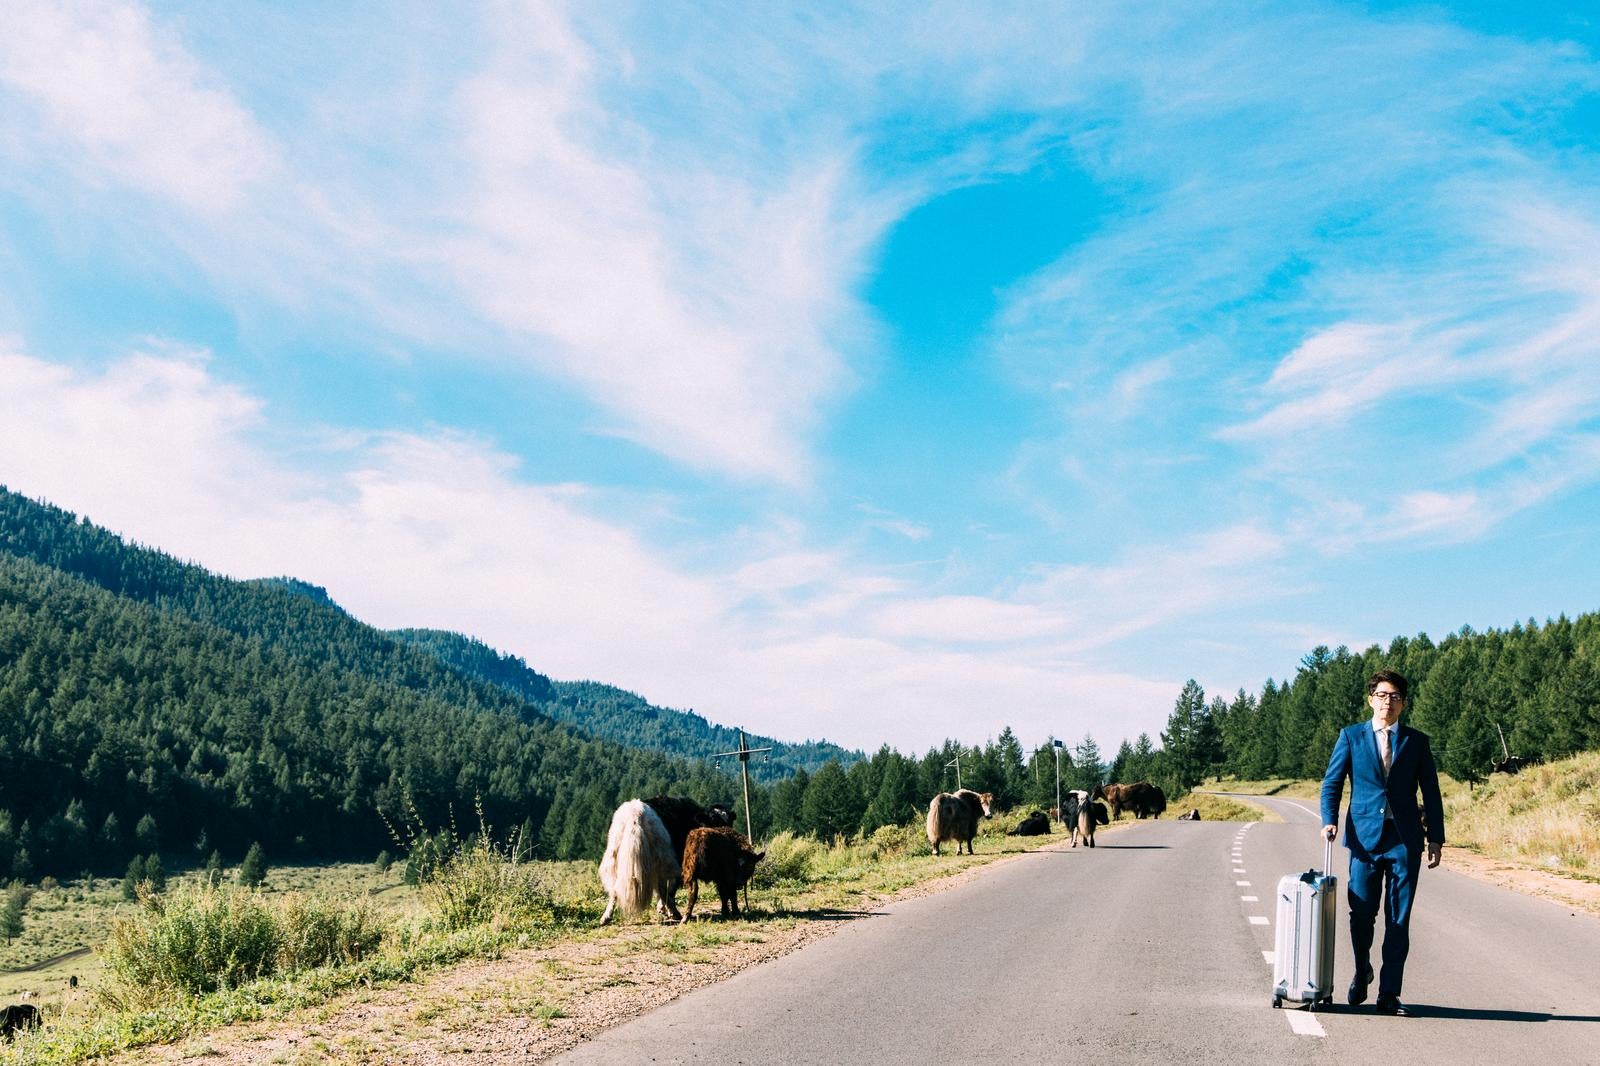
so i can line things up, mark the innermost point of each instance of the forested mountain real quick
(615, 714)
(1538, 685)
(145, 702)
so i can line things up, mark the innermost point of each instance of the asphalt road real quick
(1146, 949)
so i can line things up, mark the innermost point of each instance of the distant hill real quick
(146, 703)
(615, 714)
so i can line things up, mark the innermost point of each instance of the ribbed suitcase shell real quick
(1302, 962)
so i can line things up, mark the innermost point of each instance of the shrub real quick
(316, 934)
(895, 841)
(197, 940)
(789, 858)
(202, 938)
(476, 881)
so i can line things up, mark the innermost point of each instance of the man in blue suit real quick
(1387, 764)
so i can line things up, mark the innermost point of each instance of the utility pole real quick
(744, 752)
(956, 762)
(1056, 744)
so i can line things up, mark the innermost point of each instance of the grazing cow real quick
(1083, 814)
(954, 816)
(17, 1017)
(1034, 825)
(638, 862)
(1192, 815)
(680, 814)
(1141, 798)
(722, 856)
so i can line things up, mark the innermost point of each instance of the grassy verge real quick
(1223, 808)
(1546, 817)
(150, 992)
(1288, 788)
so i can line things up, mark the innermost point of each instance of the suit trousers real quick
(1387, 873)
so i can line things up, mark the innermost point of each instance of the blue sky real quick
(882, 374)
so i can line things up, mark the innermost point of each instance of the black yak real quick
(1082, 814)
(1034, 825)
(680, 814)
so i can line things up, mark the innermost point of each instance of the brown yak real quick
(954, 816)
(722, 856)
(1141, 798)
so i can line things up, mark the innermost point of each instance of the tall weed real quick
(475, 881)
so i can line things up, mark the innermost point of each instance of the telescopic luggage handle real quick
(1310, 876)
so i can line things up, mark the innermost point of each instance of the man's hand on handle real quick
(1329, 832)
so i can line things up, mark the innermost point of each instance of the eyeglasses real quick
(1388, 697)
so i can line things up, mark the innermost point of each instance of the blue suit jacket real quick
(1374, 798)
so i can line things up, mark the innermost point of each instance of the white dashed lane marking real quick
(1301, 1022)
(1304, 1023)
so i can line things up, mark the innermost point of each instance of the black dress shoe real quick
(1392, 1006)
(1358, 987)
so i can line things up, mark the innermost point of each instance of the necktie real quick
(1385, 751)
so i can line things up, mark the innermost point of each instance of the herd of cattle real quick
(658, 845)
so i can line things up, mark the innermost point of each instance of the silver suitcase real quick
(1302, 962)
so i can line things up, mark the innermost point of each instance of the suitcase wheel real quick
(1277, 1002)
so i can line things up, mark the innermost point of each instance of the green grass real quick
(1223, 809)
(1287, 788)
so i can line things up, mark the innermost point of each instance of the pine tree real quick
(146, 835)
(831, 808)
(135, 874)
(154, 873)
(1179, 739)
(894, 803)
(253, 870)
(16, 901)
(1118, 770)
(788, 797)
(1087, 769)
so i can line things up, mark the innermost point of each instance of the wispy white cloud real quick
(966, 620)
(107, 85)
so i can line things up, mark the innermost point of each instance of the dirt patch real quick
(532, 1004)
(1567, 892)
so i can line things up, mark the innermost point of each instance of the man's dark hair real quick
(1398, 680)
